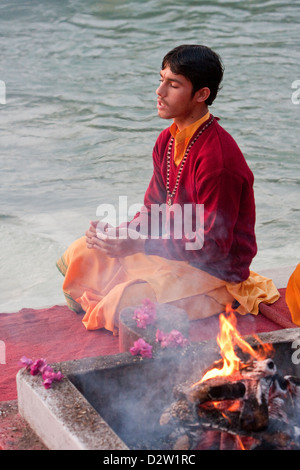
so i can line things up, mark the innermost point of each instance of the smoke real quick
(132, 394)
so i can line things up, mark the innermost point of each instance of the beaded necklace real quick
(172, 195)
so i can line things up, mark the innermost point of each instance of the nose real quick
(160, 91)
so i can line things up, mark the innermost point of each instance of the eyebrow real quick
(171, 79)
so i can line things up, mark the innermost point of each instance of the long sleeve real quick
(216, 185)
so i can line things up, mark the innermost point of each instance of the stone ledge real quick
(63, 421)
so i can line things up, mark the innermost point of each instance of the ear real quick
(202, 94)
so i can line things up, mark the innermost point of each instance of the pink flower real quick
(46, 369)
(40, 366)
(58, 376)
(149, 306)
(47, 383)
(159, 336)
(146, 314)
(172, 339)
(141, 347)
(49, 376)
(140, 317)
(48, 373)
(26, 362)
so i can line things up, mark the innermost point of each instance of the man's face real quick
(175, 99)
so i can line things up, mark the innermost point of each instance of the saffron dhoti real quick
(292, 295)
(101, 286)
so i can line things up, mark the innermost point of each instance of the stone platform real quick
(15, 432)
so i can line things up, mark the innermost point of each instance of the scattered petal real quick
(47, 383)
(47, 373)
(40, 366)
(26, 362)
(58, 376)
(140, 347)
(37, 366)
(49, 376)
(172, 339)
(45, 369)
(146, 314)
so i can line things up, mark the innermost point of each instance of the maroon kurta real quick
(216, 175)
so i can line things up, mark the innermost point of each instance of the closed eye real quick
(171, 82)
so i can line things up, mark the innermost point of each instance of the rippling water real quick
(79, 120)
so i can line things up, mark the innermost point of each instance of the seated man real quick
(199, 169)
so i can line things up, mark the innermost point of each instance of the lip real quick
(160, 104)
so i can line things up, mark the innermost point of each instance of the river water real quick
(78, 119)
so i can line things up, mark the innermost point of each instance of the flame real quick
(240, 443)
(228, 338)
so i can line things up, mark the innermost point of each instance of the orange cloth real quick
(101, 286)
(183, 137)
(292, 295)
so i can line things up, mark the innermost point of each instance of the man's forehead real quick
(167, 74)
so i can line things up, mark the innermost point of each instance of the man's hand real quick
(91, 234)
(98, 237)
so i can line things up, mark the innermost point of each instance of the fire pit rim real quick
(47, 414)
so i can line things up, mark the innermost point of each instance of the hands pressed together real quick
(99, 237)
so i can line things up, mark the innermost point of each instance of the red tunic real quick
(216, 175)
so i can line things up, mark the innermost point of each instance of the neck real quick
(193, 117)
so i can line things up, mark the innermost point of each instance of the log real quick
(254, 414)
(293, 386)
(267, 410)
(216, 389)
(279, 399)
(258, 369)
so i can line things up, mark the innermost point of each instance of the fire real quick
(240, 443)
(228, 338)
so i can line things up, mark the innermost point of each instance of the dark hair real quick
(199, 64)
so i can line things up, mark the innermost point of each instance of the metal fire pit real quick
(114, 402)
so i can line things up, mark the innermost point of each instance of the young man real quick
(197, 167)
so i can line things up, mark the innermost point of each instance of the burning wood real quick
(254, 415)
(215, 389)
(240, 397)
(278, 397)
